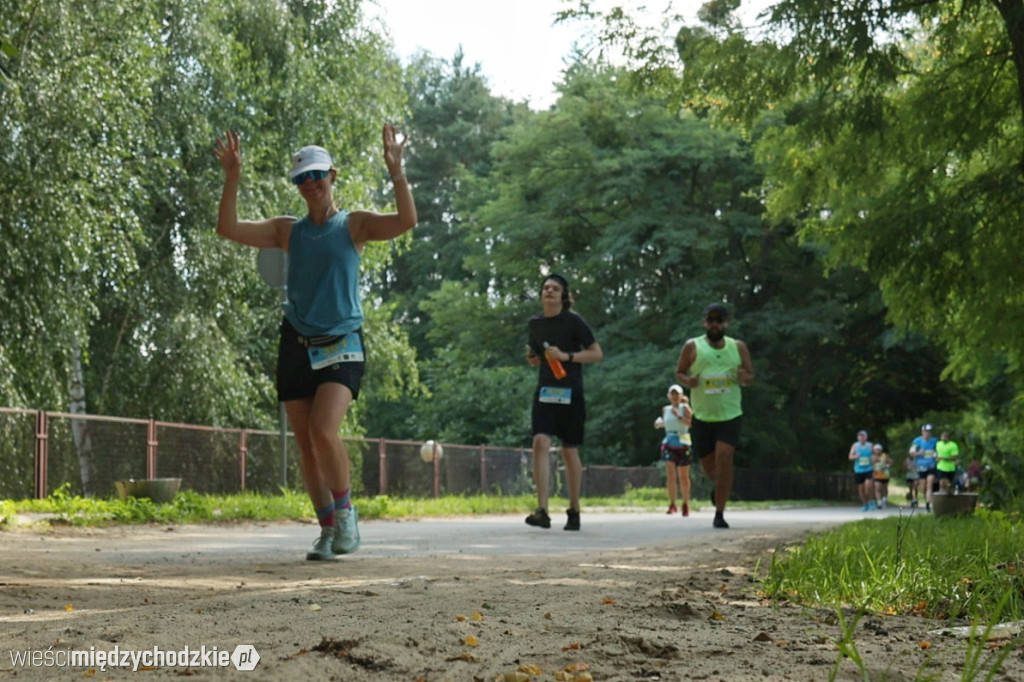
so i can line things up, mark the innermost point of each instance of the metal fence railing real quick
(40, 451)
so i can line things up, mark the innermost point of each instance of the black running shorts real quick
(704, 435)
(562, 421)
(296, 378)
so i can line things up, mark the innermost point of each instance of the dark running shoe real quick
(573, 523)
(539, 518)
(719, 522)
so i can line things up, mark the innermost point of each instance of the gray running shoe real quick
(346, 531)
(322, 550)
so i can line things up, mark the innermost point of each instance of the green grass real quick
(191, 507)
(955, 569)
(951, 567)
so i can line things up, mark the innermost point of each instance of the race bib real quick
(555, 395)
(348, 348)
(717, 383)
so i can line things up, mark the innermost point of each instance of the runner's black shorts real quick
(565, 422)
(704, 435)
(296, 378)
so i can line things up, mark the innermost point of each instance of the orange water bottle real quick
(555, 364)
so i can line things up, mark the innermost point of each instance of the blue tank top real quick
(323, 278)
(862, 464)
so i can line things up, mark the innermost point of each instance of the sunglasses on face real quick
(715, 320)
(310, 175)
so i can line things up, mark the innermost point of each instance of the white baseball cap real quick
(677, 388)
(310, 157)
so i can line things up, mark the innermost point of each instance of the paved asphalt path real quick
(485, 536)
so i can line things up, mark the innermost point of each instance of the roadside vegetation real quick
(63, 508)
(965, 572)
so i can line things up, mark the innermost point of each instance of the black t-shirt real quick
(571, 334)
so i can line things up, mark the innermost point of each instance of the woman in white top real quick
(675, 447)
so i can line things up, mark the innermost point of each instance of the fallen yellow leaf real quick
(470, 640)
(69, 608)
(477, 616)
(548, 615)
(460, 618)
(530, 669)
(576, 667)
(608, 600)
(925, 645)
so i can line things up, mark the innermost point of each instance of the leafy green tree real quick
(453, 122)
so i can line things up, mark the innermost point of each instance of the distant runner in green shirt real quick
(715, 367)
(948, 454)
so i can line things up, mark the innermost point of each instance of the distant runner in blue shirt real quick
(923, 450)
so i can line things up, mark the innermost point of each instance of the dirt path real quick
(685, 609)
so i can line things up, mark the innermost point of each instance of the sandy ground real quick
(682, 609)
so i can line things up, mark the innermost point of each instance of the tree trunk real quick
(1012, 12)
(80, 427)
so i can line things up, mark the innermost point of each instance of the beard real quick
(716, 334)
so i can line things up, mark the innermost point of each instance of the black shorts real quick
(704, 435)
(296, 378)
(565, 422)
(677, 454)
(947, 475)
(860, 476)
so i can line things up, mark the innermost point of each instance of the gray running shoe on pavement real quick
(322, 550)
(346, 531)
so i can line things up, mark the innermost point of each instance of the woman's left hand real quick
(393, 149)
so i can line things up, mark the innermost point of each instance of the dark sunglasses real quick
(715, 320)
(310, 175)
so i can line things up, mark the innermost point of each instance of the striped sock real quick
(325, 516)
(342, 500)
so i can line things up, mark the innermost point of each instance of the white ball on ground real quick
(428, 450)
